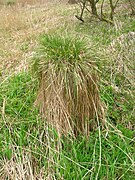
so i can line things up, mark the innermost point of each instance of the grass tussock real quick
(68, 94)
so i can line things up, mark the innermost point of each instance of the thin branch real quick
(96, 1)
(83, 7)
(107, 20)
(116, 4)
(102, 9)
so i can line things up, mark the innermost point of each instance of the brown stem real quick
(113, 8)
(83, 7)
(93, 7)
(102, 9)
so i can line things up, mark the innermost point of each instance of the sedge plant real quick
(68, 94)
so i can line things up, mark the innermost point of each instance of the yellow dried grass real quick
(69, 99)
(21, 25)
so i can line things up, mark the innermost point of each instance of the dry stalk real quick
(68, 98)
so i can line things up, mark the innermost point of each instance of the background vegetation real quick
(30, 148)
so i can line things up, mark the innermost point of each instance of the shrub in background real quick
(99, 10)
(10, 2)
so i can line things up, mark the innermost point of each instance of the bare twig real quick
(102, 9)
(83, 7)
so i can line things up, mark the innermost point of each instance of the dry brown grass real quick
(121, 65)
(21, 2)
(23, 168)
(29, 2)
(70, 105)
(20, 28)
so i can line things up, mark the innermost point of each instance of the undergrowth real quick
(27, 139)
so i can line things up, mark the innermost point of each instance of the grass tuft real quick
(68, 93)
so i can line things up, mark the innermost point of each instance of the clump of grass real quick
(68, 94)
